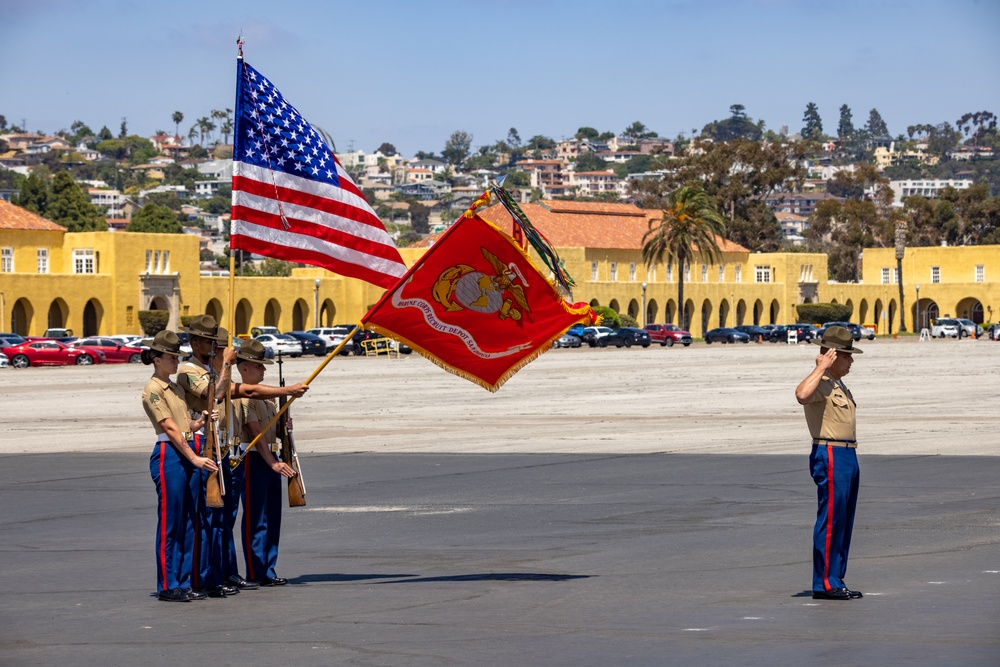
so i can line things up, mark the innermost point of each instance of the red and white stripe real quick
(329, 226)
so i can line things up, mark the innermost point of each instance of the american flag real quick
(292, 199)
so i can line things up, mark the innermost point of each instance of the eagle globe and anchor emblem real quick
(463, 287)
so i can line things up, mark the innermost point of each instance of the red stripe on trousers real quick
(246, 518)
(163, 522)
(829, 516)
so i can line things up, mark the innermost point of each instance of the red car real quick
(51, 353)
(115, 352)
(668, 334)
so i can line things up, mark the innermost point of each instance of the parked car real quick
(11, 339)
(969, 328)
(283, 343)
(804, 332)
(668, 334)
(376, 343)
(590, 335)
(257, 331)
(52, 353)
(333, 336)
(3, 360)
(185, 338)
(726, 335)
(114, 351)
(567, 340)
(577, 330)
(993, 332)
(946, 327)
(628, 335)
(127, 339)
(756, 333)
(60, 334)
(311, 343)
(857, 331)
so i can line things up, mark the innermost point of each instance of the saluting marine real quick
(175, 467)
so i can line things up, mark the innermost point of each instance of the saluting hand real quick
(826, 359)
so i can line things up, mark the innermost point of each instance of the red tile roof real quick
(15, 217)
(575, 224)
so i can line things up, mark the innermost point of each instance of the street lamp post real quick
(316, 308)
(900, 249)
(644, 305)
(918, 319)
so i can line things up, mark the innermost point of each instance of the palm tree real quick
(178, 118)
(690, 228)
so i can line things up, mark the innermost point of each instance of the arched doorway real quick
(633, 309)
(925, 312)
(93, 313)
(272, 313)
(724, 313)
(741, 312)
(970, 308)
(58, 314)
(863, 311)
(20, 317)
(685, 322)
(670, 312)
(850, 305)
(244, 313)
(614, 306)
(758, 312)
(214, 309)
(892, 316)
(775, 311)
(883, 326)
(300, 315)
(159, 303)
(327, 312)
(652, 310)
(706, 314)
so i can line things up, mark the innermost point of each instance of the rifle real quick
(214, 486)
(296, 485)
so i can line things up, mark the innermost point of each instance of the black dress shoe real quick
(230, 590)
(173, 595)
(276, 581)
(241, 583)
(215, 592)
(855, 594)
(195, 595)
(832, 594)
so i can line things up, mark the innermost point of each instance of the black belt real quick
(850, 444)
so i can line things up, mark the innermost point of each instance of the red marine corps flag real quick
(476, 305)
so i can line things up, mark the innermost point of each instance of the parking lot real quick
(931, 397)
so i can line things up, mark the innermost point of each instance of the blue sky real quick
(412, 72)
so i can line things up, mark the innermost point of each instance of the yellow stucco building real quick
(97, 282)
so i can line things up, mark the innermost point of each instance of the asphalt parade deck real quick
(520, 559)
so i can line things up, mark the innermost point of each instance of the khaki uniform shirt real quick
(194, 379)
(165, 399)
(830, 413)
(261, 411)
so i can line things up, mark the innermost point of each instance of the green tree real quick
(540, 143)
(517, 179)
(737, 126)
(590, 162)
(636, 131)
(813, 123)
(112, 148)
(975, 125)
(70, 207)
(34, 195)
(104, 134)
(168, 199)
(737, 175)
(155, 219)
(845, 128)
(457, 148)
(876, 127)
(419, 217)
(270, 267)
(3, 123)
(178, 118)
(386, 149)
(689, 229)
(586, 133)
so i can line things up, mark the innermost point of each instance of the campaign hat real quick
(166, 342)
(252, 351)
(205, 326)
(839, 339)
